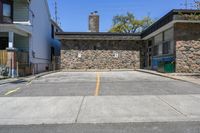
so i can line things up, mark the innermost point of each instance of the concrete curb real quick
(26, 79)
(166, 76)
(5, 81)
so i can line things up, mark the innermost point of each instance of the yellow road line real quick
(10, 92)
(97, 84)
(30, 82)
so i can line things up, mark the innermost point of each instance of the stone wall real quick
(85, 54)
(187, 40)
(187, 56)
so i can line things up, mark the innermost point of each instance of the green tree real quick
(129, 24)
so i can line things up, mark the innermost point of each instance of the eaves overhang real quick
(16, 28)
(96, 36)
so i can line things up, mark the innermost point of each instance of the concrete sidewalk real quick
(186, 77)
(104, 109)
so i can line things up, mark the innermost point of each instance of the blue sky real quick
(73, 14)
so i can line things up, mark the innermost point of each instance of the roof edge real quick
(98, 33)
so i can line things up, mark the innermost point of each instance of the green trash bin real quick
(169, 67)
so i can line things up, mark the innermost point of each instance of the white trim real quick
(23, 23)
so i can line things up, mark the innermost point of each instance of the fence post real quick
(33, 69)
(10, 68)
(17, 69)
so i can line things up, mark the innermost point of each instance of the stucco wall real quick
(100, 55)
(187, 38)
(40, 40)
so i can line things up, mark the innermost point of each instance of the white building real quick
(27, 41)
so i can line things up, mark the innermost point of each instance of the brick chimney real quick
(94, 22)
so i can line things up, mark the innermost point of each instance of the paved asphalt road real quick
(83, 112)
(111, 83)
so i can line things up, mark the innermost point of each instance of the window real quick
(149, 43)
(166, 47)
(7, 10)
(155, 50)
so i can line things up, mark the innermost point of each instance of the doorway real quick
(150, 53)
(3, 43)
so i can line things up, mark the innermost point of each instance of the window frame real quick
(155, 50)
(9, 2)
(9, 10)
(166, 47)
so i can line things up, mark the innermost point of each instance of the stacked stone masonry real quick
(187, 56)
(187, 38)
(88, 54)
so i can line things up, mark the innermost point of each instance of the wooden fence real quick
(23, 57)
(22, 62)
(3, 57)
(23, 65)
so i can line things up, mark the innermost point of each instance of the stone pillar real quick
(11, 62)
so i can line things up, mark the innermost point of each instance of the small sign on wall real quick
(79, 55)
(116, 55)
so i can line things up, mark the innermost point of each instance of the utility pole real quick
(197, 4)
(185, 4)
(56, 11)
